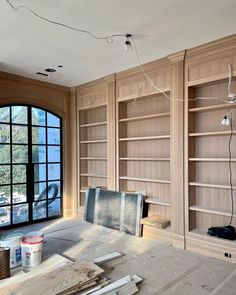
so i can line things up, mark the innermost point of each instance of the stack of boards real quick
(60, 276)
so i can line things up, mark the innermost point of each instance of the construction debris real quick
(58, 275)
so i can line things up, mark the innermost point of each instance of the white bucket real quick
(34, 234)
(31, 251)
(13, 241)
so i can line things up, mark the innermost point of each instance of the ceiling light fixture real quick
(128, 44)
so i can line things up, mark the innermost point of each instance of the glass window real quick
(54, 207)
(5, 114)
(38, 117)
(4, 133)
(39, 172)
(20, 154)
(19, 134)
(39, 154)
(53, 136)
(19, 114)
(38, 135)
(54, 171)
(5, 156)
(52, 120)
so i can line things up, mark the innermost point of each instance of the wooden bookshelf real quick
(143, 139)
(207, 188)
(96, 146)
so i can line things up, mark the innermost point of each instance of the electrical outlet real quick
(228, 255)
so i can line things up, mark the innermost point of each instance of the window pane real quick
(39, 210)
(19, 193)
(54, 207)
(19, 134)
(20, 154)
(38, 135)
(53, 136)
(52, 120)
(4, 133)
(38, 117)
(54, 189)
(54, 154)
(5, 114)
(39, 172)
(18, 173)
(4, 154)
(39, 154)
(54, 171)
(5, 195)
(20, 213)
(19, 115)
(5, 174)
(40, 191)
(5, 217)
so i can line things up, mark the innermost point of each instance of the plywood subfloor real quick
(165, 269)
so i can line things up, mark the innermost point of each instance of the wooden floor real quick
(165, 269)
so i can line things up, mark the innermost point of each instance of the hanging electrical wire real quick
(108, 39)
(230, 170)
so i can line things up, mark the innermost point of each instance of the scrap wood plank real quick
(157, 221)
(50, 263)
(57, 281)
(107, 258)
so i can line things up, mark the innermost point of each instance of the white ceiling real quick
(160, 27)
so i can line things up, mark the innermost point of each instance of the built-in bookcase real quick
(207, 185)
(144, 150)
(209, 189)
(93, 148)
(95, 145)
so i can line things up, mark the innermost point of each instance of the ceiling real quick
(160, 27)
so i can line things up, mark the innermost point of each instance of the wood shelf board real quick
(211, 159)
(156, 221)
(144, 179)
(93, 175)
(93, 141)
(93, 159)
(145, 138)
(213, 133)
(159, 202)
(93, 124)
(210, 185)
(212, 108)
(145, 117)
(144, 159)
(215, 211)
(202, 235)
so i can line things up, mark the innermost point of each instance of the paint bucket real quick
(31, 251)
(13, 241)
(33, 234)
(4, 263)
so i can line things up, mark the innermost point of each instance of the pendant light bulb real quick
(128, 44)
(226, 120)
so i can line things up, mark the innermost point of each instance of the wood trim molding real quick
(21, 79)
(155, 65)
(213, 47)
(178, 56)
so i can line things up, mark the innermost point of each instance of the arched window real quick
(30, 165)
